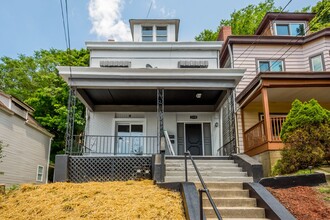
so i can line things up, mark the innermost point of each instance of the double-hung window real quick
(316, 63)
(40, 173)
(270, 65)
(161, 33)
(147, 33)
(154, 33)
(290, 29)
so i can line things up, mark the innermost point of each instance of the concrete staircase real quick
(225, 180)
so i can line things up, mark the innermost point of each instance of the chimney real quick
(224, 32)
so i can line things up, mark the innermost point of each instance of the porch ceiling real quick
(146, 99)
(321, 94)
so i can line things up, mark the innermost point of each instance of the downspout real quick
(231, 56)
(49, 147)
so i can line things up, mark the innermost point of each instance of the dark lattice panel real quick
(229, 132)
(85, 169)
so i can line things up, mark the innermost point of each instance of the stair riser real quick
(230, 194)
(227, 186)
(204, 166)
(229, 202)
(207, 169)
(236, 213)
(205, 175)
(200, 161)
(209, 179)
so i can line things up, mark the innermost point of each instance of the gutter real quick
(49, 147)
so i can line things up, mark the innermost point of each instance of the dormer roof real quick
(175, 22)
(287, 16)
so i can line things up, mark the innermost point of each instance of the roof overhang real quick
(286, 16)
(122, 84)
(282, 80)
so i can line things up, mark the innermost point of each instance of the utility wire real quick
(296, 40)
(67, 24)
(64, 26)
(260, 36)
(149, 8)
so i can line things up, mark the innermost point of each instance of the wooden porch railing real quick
(276, 127)
(256, 135)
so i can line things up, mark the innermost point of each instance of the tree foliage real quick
(246, 20)
(35, 80)
(306, 135)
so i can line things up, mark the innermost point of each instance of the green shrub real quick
(306, 135)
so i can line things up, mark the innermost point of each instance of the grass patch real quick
(325, 191)
(94, 200)
(304, 172)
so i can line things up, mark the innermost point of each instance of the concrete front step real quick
(230, 202)
(196, 157)
(230, 193)
(191, 169)
(208, 179)
(207, 173)
(203, 166)
(236, 212)
(200, 161)
(239, 219)
(221, 185)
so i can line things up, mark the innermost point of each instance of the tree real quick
(306, 135)
(243, 22)
(35, 80)
(246, 20)
(322, 17)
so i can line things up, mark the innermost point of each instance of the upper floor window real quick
(317, 63)
(270, 65)
(290, 29)
(147, 33)
(154, 33)
(161, 33)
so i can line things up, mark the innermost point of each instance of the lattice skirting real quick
(110, 168)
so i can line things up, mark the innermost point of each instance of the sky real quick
(27, 26)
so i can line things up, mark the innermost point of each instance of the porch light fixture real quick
(216, 124)
(198, 95)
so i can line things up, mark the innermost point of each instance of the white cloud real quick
(106, 19)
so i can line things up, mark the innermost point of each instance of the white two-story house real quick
(134, 91)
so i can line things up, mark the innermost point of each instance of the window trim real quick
(288, 23)
(269, 60)
(42, 173)
(311, 63)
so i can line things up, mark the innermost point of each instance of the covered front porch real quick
(135, 111)
(265, 104)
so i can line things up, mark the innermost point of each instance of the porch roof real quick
(126, 89)
(282, 80)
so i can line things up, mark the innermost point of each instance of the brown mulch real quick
(305, 203)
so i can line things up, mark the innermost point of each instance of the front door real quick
(194, 139)
(129, 138)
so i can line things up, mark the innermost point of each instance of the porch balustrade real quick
(114, 145)
(256, 135)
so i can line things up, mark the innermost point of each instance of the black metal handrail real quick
(201, 191)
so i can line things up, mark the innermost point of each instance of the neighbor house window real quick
(317, 63)
(161, 33)
(40, 173)
(290, 29)
(270, 65)
(147, 33)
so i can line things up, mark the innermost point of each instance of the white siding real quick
(27, 149)
(161, 59)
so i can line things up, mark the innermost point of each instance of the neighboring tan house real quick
(27, 144)
(283, 62)
(133, 91)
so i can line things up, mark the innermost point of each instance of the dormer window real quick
(147, 33)
(290, 29)
(161, 33)
(154, 33)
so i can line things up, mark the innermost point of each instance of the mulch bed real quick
(304, 202)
